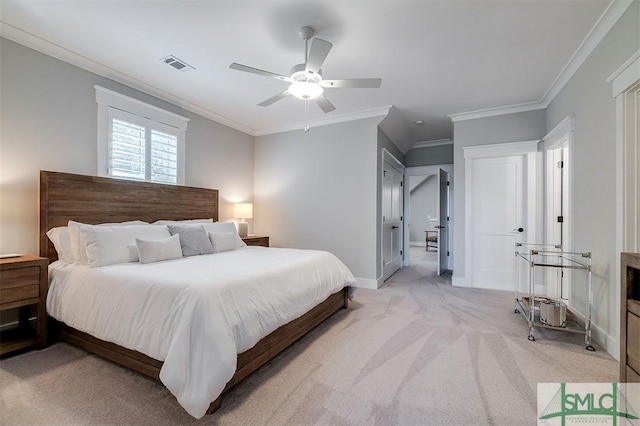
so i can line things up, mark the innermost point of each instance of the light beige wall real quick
(48, 122)
(317, 190)
(590, 99)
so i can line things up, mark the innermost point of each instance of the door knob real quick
(394, 227)
(519, 229)
(439, 227)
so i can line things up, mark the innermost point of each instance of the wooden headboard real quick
(91, 199)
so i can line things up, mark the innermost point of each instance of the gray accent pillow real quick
(193, 239)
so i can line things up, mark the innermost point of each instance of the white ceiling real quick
(435, 58)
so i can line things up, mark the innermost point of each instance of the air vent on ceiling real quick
(176, 63)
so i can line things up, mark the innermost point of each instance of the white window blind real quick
(136, 144)
(164, 157)
(128, 150)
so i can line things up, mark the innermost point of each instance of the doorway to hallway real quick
(428, 213)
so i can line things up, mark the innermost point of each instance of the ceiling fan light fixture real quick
(305, 79)
(305, 90)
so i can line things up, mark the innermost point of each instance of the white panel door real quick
(391, 220)
(498, 219)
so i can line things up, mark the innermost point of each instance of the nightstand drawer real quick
(633, 341)
(15, 294)
(19, 284)
(256, 240)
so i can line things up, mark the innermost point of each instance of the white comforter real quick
(195, 314)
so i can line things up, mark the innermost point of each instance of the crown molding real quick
(343, 118)
(607, 20)
(56, 51)
(51, 49)
(491, 112)
(428, 144)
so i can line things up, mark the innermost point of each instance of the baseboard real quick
(367, 283)
(607, 341)
(457, 281)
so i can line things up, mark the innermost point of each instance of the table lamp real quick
(243, 211)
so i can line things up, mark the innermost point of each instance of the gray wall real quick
(49, 122)
(385, 142)
(589, 97)
(523, 126)
(429, 156)
(317, 190)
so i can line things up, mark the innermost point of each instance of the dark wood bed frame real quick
(90, 199)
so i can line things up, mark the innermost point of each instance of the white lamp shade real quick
(243, 210)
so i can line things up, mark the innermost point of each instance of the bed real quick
(94, 200)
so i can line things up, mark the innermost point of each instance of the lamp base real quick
(243, 229)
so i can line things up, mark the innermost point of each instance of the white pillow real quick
(78, 245)
(108, 245)
(225, 242)
(62, 242)
(181, 222)
(157, 250)
(220, 227)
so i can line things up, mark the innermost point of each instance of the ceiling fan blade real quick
(274, 98)
(252, 70)
(317, 54)
(324, 104)
(354, 83)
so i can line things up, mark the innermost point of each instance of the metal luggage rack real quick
(551, 256)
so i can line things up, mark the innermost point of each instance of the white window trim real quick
(106, 99)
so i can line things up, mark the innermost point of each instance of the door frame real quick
(559, 137)
(528, 149)
(389, 158)
(442, 264)
(425, 171)
(623, 79)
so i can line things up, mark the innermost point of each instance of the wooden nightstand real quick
(256, 240)
(23, 283)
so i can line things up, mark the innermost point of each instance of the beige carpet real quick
(418, 351)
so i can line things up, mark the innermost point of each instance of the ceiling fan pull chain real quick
(306, 116)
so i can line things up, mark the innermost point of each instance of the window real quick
(139, 141)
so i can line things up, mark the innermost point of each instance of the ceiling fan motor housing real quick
(298, 73)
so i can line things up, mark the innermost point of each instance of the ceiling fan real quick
(305, 81)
